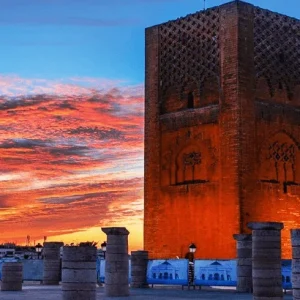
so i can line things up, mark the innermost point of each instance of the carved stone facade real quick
(187, 158)
(276, 54)
(278, 158)
(222, 129)
(189, 61)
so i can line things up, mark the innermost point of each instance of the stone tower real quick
(222, 129)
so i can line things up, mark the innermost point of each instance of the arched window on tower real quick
(190, 99)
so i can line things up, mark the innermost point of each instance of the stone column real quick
(12, 276)
(52, 263)
(79, 275)
(244, 262)
(295, 237)
(139, 262)
(266, 260)
(116, 264)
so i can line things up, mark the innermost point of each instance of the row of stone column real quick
(258, 265)
(259, 261)
(78, 269)
(12, 272)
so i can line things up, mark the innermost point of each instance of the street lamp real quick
(38, 249)
(103, 247)
(192, 248)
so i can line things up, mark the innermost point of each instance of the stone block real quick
(116, 290)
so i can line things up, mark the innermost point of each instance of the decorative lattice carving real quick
(283, 159)
(189, 49)
(190, 162)
(277, 49)
(191, 159)
(282, 152)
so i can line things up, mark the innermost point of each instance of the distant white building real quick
(7, 252)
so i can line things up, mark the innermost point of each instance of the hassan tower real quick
(222, 129)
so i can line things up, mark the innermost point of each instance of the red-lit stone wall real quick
(276, 193)
(222, 129)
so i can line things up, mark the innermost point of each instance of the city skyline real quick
(71, 114)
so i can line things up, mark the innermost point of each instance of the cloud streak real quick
(41, 89)
(69, 156)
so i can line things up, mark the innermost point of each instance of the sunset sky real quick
(72, 113)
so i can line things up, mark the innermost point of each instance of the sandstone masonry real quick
(222, 129)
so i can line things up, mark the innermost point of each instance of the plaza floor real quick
(40, 292)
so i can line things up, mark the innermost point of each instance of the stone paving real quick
(40, 292)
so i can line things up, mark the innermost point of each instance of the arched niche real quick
(279, 160)
(188, 156)
(189, 167)
(209, 91)
(282, 93)
(263, 89)
(189, 95)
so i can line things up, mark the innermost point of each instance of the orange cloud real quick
(69, 160)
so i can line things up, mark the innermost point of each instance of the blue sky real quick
(56, 39)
